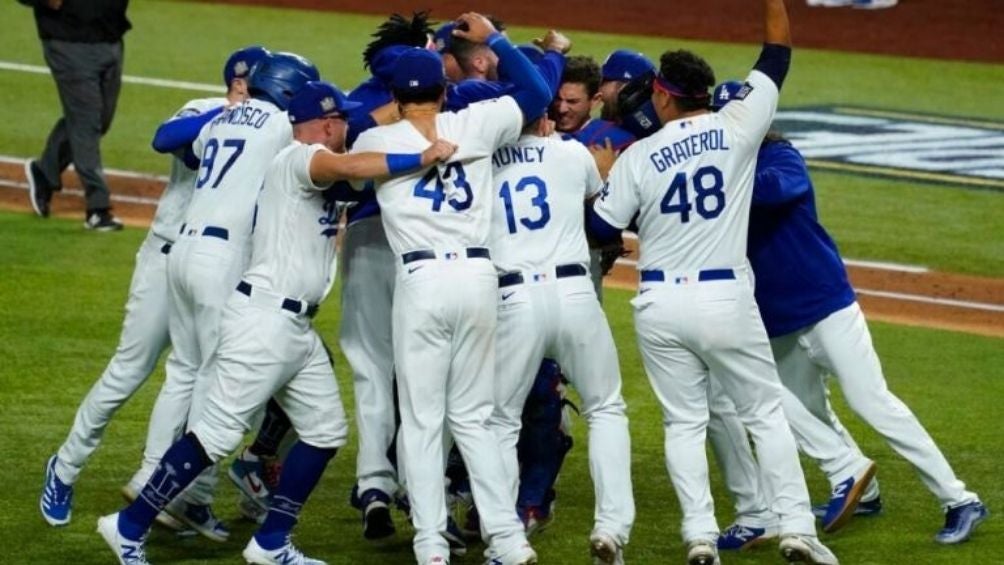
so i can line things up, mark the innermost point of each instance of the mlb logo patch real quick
(412, 83)
(681, 280)
(539, 277)
(450, 255)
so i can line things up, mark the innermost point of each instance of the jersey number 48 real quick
(708, 194)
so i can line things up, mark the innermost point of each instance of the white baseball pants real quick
(444, 346)
(561, 319)
(368, 273)
(692, 332)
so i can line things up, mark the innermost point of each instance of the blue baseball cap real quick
(318, 99)
(625, 65)
(240, 63)
(725, 93)
(418, 69)
(444, 36)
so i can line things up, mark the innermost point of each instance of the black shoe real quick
(102, 220)
(377, 523)
(38, 191)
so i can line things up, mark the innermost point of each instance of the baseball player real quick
(368, 265)
(144, 329)
(816, 329)
(690, 185)
(438, 221)
(619, 68)
(267, 345)
(548, 308)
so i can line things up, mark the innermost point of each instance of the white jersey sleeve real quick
(749, 115)
(500, 120)
(301, 168)
(594, 183)
(619, 200)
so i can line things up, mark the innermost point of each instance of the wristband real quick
(403, 162)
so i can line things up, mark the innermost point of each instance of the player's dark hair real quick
(464, 50)
(399, 30)
(690, 73)
(583, 70)
(418, 95)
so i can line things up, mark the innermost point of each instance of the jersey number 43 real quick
(433, 187)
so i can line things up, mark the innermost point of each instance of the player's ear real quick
(596, 100)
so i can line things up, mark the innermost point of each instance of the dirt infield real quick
(969, 30)
(929, 299)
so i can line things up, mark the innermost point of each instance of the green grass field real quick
(62, 294)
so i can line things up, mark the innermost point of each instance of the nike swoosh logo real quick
(253, 484)
(413, 269)
(644, 290)
(505, 296)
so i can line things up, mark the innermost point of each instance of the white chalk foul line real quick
(146, 81)
(932, 300)
(123, 198)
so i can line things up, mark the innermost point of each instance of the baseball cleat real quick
(535, 518)
(865, 508)
(845, 497)
(702, 552)
(738, 536)
(127, 551)
(806, 549)
(961, 522)
(829, 3)
(288, 554)
(198, 517)
(521, 555)
(56, 502)
(102, 220)
(129, 493)
(247, 472)
(605, 550)
(377, 523)
(874, 4)
(38, 193)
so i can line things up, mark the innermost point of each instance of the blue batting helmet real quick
(278, 77)
(241, 62)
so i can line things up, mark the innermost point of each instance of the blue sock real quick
(301, 471)
(179, 467)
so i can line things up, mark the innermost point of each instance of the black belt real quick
(560, 272)
(294, 306)
(208, 231)
(166, 248)
(702, 276)
(422, 254)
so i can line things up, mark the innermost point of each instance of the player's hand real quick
(545, 127)
(439, 151)
(554, 40)
(474, 27)
(604, 155)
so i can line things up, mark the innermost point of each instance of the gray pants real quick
(88, 77)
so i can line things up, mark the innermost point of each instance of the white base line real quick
(146, 81)
(849, 262)
(125, 199)
(931, 300)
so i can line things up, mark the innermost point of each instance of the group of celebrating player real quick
(470, 297)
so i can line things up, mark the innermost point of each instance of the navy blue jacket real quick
(800, 277)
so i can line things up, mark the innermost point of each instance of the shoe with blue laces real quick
(247, 472)
(845, 497)
(200, 518)
(57, 497)
(738, 536)
(865, 508)
(961, 522)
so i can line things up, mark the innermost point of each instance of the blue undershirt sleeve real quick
(176, 133)
(774, 62)
(598, 228)
(781, 175)
(532, 93)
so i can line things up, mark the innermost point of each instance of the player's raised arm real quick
(532, 93)
(775, 58)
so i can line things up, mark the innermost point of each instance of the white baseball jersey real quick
(233, 164)
(178, 192)
(292, 250)
(447, 206)
(692, 182)
(540, 185)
